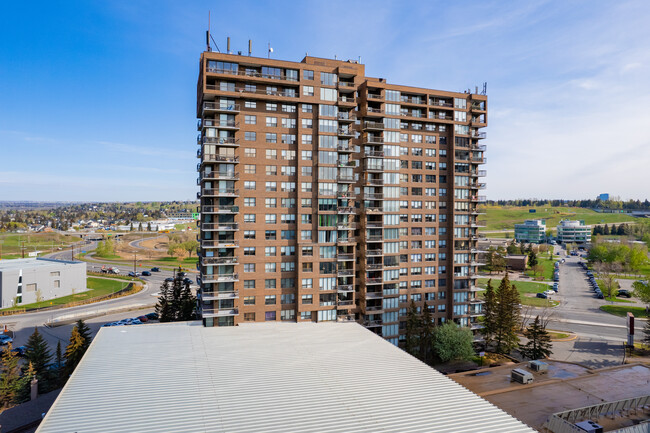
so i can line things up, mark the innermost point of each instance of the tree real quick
(606, 230)
(37, 353)
(512, 248)
(11, 382)
(140, 226)
(149, 226)
(537, 269)
(413, 326)
(507, 316)
(451, 342)
(642, 291)
(60, 368)
(190, 246)
(426, 334)
(176, 302)
(539, 341)
(131, 227)
(85, 333)
(74, 351)
(489, 313)
(532, 259)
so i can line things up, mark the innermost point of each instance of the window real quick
(249, 202)
(270, 267)
(250, 119)
(250, 136)
(249, 234)
(249, 168)
(249, 251)
(271, 137)
(328, 94)
(269, 251)
(288, 108)
(249, 218)
(250, 152)
(307, 74)
(269, 283)
(289, 203)
(270, 218)
(288, 234)
(250, 104)
(271, 170)
(271, 122)
(307, 299)
(271, 107)
(288, 123)
(307, 108)
(287, 266)
(269, 300)
(327, 79)
(249, 284)
(305, 315)
(308, 90)
(249, 267)
(269, 235)
(306, 139)
(460, 103)
(249, 300)
(306, 155)
(307, 123)
(288, 314)
(305, 171)
(249, 184)
(271, 186)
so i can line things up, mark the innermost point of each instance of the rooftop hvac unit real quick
(589, 427)
(538, 366)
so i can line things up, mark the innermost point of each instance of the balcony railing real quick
(374, 225)
(375, 266)
(219, 209)
(285, 94)
(219, 260)
(373, 125)
(374, 96)
(375, 252)
(207, 296)
(222, 141)
(345, 287)
(219, 278)
(218, 226)
(217, 106)
(346, 210)
(219, 176)
(374, 154)
(345, 302)
(371, 138)
(345, 178)
(347, 117)
(345, 148)
(374, 196)
(478, 173)
(345, 132)
(372, 323)
(374, 308)
(374, 238)
(344, 194)
(375, 181)
(251, 74)
(220, 192)
(372, 110)
(345, 84)
(345, 272)
(374, 209)
(346, 163)
(214, 312)
(477, 198)
(348, 99)
(219, 244)
(218, 123)
(345, 256)
(476, 134)
(211, 157)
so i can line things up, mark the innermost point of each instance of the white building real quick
(531, 231)
(25, 281)
(573, 232)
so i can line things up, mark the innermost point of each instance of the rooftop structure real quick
(329, 195)
(573, 232)
(262, 377)
(531, 231)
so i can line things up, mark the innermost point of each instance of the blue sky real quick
(97, 99)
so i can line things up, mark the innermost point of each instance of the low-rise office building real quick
(573, 232)
(531, 231)
(25, 281)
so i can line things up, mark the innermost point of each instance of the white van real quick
(521, 376)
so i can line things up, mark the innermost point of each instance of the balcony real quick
(374, 266)
(345, 273)
(374, 309)
(478, 160)
(478, 198)
(374, 252)
(219, 278)
(375, 182)
(344, 241)
(219, 192)
(478, 106)
(372, 323)
(374, 238)
(251, 74)
(345, 148)
(213, 312)
(345, 256)
(477, 224)
(211, 157)
(374, 209)
(373, 139)
(479, 135)
(375, 96)
(346, 163)
(345, 303)
(478, 173)
(218, 226)
(374, 154)
(345, 179)
(221, 141)
(215, 175)
(219, 124)
(218, 107)
(479, 147)
(345, 132)
(219, 260)
(374, 295)
(346, 86)
(345, 288)
(413, 100)
(219, 244)
(346, 118)
(344, 194)
(374, 112)
(347, 100)
(374, 196)
(217, 296)
(346, 210)
(375, 225)
(219, 209)
(477, 185)
(287, 93)
(348, 226)
(374, 167)
(378, 126)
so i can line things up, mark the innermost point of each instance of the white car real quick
(549, 292)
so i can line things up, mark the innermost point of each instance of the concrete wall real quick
(41, 278)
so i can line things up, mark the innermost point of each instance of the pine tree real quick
(38, 355)
(10, 380)
(60, 368)
(163, 307)
(606, 230)
(507, 316)
(413, 326)
(539, 341)
(84, 332)
(489, 314)
(622, 229)
(74, 351)
(140, 227)
(187, 303)
(149, 226)
(426, 334)
(532, 259)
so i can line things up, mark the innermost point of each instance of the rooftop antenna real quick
(228, 44)
(270, 50)
(250, 47)
(207, 35)
(484, 88)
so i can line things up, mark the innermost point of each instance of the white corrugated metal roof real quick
(262, 377)
(39, 262)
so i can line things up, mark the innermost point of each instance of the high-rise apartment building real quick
(328, 195)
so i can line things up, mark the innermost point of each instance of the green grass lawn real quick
(622, 310)
(12, 242)
(523, 287)
(505, 217)
(548, 265)
(96, 287)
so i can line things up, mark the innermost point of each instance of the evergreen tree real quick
(489, 314)
(507, 316)
(451, 342)
(539, 341)
(532, 259)
(38, 355)
(149, 226)
(24, 386)
(622, 229)
(140, 227)
(131, 227)
(163, 307)
(84, 332)
(10, 380)
(187, 305)
(512, 247)
(606, 230)
(74, 351)
(413, 327)
(426, 334)
(60, 369)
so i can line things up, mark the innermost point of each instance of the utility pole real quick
(72, 252)
(135, 258)
(22, 248)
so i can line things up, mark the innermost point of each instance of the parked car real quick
(549, 292)
(181, 274)
(146, 273)
(624, 293)
(555, 287)
(19, 351)
(188, 281)
(600, 295)
(169, 280)
(134, 274)
(542, 295)
(5, 339)
(143, 319)
(152, 316)
(155, 269)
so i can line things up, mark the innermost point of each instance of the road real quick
(600, 335)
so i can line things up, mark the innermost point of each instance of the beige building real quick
(328, 195)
